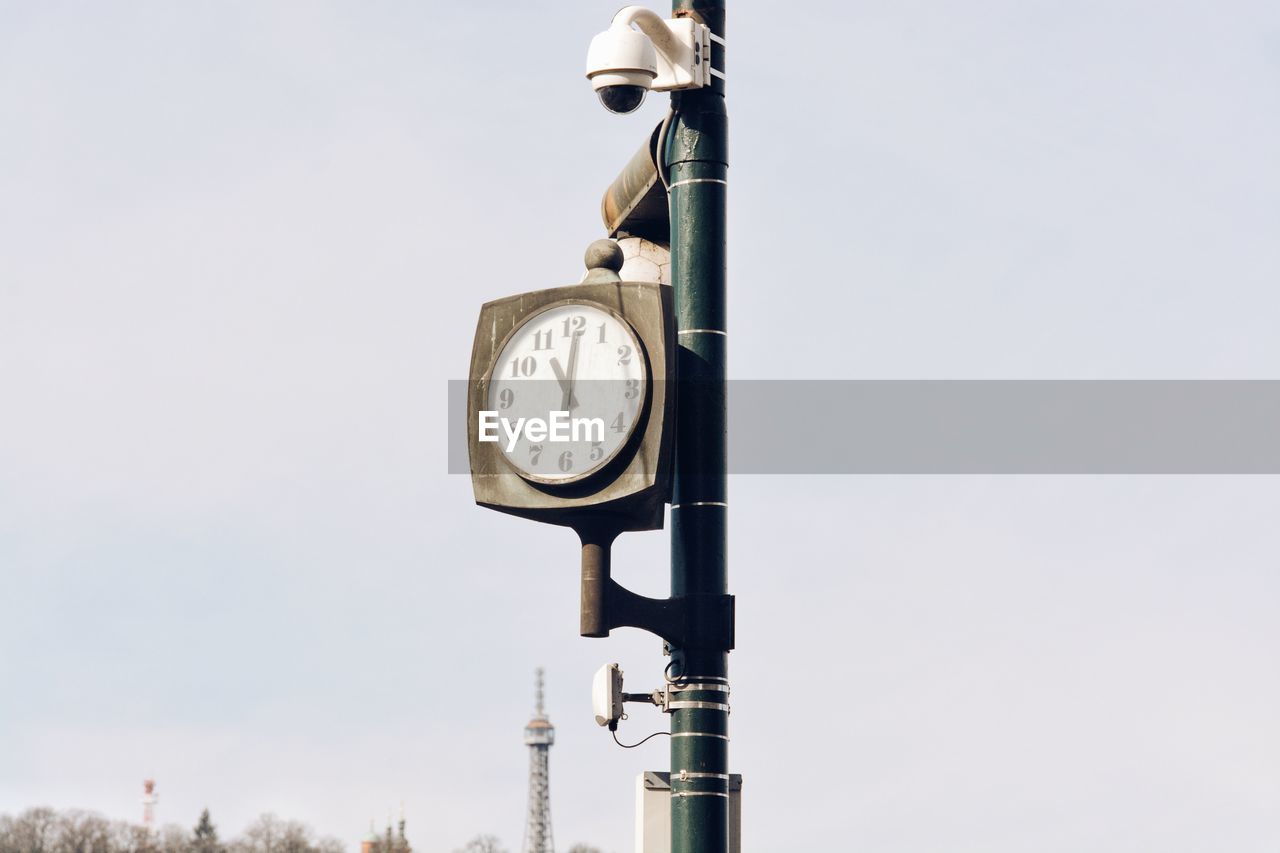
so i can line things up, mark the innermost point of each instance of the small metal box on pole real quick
(653, 812)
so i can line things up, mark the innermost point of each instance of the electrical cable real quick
(679, 681)
(637, 743)
(660, 156)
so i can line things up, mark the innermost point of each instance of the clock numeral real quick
(633, 389)
(574, 325)
(624, 354)
(535, 453)
(540, 342)
(619, 425)
(566, 461)
(523, 366)
(506, 398)
(597, 451)
(602, 340)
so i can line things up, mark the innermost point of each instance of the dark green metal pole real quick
(697, 167)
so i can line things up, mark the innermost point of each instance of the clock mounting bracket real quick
(683, 621)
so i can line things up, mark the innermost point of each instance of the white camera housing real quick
(664, 55)
(606, 695)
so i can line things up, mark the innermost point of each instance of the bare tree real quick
(174, 839)
(129, 838)
(483, 844)
(83, 832)
(584, 848)
(330, 845)
(42, 830)
(270, 834)
(126, 837)
(33, 831)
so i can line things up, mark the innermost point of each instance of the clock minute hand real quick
(569, 402)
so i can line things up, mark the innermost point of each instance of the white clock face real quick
(572, 358)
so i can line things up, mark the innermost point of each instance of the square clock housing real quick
(599, 358)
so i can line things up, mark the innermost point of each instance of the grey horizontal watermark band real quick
(988, 427)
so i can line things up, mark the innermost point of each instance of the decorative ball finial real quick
(603, 259)
(603, 254)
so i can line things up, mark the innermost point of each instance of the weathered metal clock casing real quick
(629, 493)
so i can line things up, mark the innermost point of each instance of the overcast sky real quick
(242, 249)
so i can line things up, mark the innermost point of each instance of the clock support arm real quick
(684, 621)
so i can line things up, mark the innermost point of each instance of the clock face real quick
(572, 358)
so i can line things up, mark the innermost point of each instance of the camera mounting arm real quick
(655, 27)
(683, 47)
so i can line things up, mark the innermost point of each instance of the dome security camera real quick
(621, 65)
(663, 55)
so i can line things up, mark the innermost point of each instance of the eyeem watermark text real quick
(559, 427)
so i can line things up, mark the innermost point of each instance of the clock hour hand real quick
(566, 384)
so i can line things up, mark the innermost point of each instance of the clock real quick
(579, 368)
(570, 404)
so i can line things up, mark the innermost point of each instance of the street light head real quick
(621, 65)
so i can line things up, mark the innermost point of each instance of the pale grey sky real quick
(242, 248)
